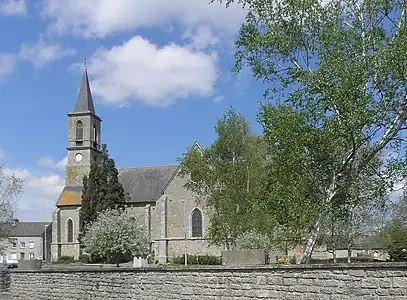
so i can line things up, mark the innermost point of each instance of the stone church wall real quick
(145, 216)
(374, 281)
(67, 249)
(180, 204)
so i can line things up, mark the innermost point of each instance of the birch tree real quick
(337, 74)
(226, 176)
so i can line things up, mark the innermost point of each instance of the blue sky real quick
(160, 74)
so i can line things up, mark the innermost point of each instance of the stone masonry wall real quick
(366, 282)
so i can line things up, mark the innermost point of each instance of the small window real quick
(30, 255)
(69, 229)
(196, 223)
(22, 245)
(13, 245)
(31, 245)
(13, 256)
(95, 137)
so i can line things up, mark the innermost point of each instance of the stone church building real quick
(170, 213)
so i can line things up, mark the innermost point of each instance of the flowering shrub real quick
(253, 240)
(115, 235)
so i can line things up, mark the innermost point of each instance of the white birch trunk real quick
(312, 239)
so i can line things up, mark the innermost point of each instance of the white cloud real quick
(43, 53)
(218, 99)
(13, 7)
(140, 70)
(48, 162)
(201, 37)
(40, 193)
(104, 17)
(7, 63)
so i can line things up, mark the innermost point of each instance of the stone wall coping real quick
(220, 269)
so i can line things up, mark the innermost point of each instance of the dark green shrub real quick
(96, 259)
(66, 260)
(198, 260)
(84, 258)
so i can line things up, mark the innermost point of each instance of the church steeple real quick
(85, 101)
(84, 141)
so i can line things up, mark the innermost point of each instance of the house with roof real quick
(173, 217)
(28, 240)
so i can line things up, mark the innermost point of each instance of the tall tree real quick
(226, 175)
(339, 78)
(10, 188)
(394, 239)
(101, 190)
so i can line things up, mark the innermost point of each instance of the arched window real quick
(69, 231)
(196, 223)
(79, 130)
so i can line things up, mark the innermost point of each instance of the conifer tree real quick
(101, 190)
(112, 190)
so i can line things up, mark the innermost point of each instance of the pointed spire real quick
(85, 101)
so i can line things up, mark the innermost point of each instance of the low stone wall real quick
(363, 281)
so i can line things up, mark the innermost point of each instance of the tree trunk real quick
(349, 252)
(312, 239)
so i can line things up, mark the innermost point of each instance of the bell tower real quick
(83, 148)
(84, 144)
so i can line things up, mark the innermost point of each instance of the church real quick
(172, 215)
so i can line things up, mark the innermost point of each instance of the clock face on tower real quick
(78, 157)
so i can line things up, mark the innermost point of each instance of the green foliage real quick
(400, 209)
(66, 260)
(198, 260)
(101, 190)
(115, 236)
(227, 176)
(394, 239)
(253, 240)
(337, 102)
(285, 260)
(84, 258)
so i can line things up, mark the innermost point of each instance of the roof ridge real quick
(154, 166)
(19, 222)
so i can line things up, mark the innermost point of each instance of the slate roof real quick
(85, 101)
(144, 184)
(28, 229)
